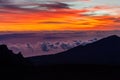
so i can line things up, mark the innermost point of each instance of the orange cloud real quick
(57, 19)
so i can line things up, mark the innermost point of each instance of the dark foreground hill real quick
(104, 51)
(8, 58)
(96, 61)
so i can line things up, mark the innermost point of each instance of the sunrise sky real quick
(40, 15)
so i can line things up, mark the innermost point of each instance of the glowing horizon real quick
(62, 15)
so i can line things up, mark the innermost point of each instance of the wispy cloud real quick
(9, 4)
(58, 14)
(54, 22)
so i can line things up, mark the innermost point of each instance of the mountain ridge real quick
(70, 64)
(104, 51)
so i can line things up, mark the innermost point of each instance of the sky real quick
(44, 15)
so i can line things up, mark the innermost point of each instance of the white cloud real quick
(101, 13)
(76, 4)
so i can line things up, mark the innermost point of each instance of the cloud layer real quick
(32, 6)
(30, 15)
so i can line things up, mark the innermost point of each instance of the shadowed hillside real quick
(104, 51)
(94, 61)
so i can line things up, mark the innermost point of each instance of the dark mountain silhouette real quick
(12, 62)
(104, 51)
(12, 65)
(7, 57)
(93, 61)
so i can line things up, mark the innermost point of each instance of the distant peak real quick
(113, 36)
(109, 39)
